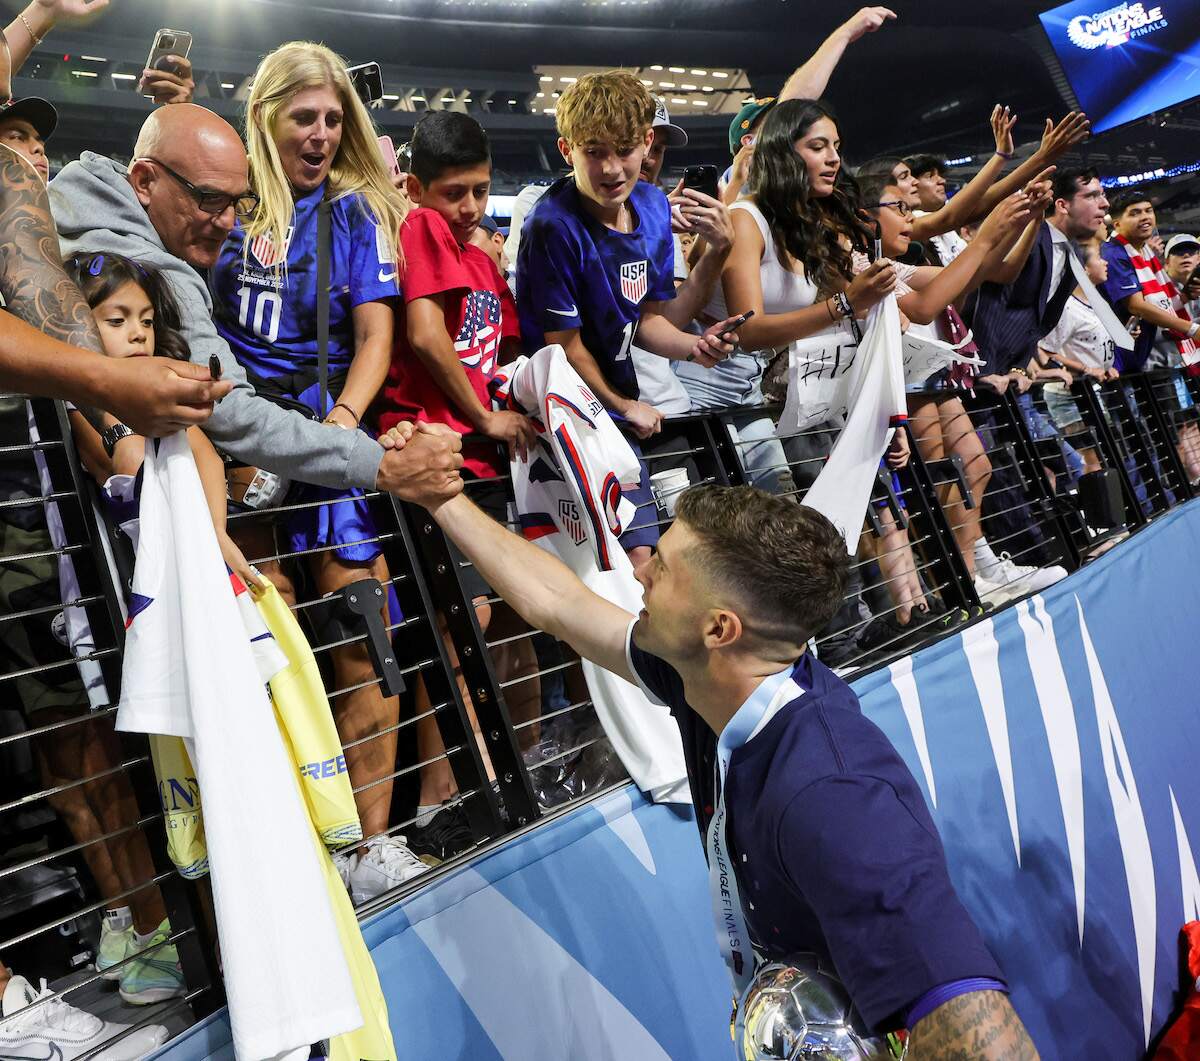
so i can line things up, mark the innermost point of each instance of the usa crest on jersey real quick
(634, 280)
(264, 251)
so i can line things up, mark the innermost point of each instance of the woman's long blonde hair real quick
(356, 168)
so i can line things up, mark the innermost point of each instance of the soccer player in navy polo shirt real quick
(806, 809)
(596, 263)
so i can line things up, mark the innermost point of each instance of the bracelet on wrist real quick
(29, 28)
(1008, 156)
(829, 304)
(343, 405)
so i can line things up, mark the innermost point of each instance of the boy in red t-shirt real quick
(457, 318)
(455, 323)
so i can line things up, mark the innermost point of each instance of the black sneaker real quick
(447, 834)
(885, 633)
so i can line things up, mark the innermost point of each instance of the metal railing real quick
(500, 712)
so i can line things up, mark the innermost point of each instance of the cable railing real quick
(463, 691)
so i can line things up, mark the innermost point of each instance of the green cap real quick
(745, 118)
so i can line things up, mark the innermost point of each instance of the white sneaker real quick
(1031, 579)
(1015, 579)
(56, 1031)
(994, 593)
(387, 864)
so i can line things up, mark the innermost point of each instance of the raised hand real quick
(1002, 121)
(705, 216)
(70, 9)
(1060, 137)
(866, 20)
(170, 82)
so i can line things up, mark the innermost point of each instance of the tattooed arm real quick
(60, 356)
(978, 1026)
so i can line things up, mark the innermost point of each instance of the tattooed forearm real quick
(979, 1026)
(32, 280)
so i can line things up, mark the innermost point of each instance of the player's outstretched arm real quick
(540, 587)
(978, 1026)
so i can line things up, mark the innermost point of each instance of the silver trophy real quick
(793, 1010)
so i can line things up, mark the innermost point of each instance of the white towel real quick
(873, 394)
(189, 672)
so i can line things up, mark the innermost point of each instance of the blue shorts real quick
(346, 523)
(643, 528)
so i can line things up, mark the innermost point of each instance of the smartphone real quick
(388, 150)
(367, 79)
(167, 42)
(735, 325)
(702, 179)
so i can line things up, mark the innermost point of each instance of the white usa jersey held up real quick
(569, 501)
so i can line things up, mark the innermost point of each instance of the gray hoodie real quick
(96, 210)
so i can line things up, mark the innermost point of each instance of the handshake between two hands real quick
(421, 463)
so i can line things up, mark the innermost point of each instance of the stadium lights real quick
(85, 73)
(700, 73)
(93, 58)
(228, 86)
(124, 77)
(719, 73)
(391, 97)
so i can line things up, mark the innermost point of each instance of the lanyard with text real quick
(733, 938)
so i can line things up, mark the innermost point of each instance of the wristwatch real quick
(110, 436)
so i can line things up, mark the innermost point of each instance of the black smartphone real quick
(702, 178)
(367, 79)
(735, 325)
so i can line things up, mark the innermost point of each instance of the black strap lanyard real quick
(323, 255)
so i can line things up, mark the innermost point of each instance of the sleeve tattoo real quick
(33, 282)
(977, 1026)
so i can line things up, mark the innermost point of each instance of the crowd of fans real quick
(214, 247)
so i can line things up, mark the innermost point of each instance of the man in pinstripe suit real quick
(1008, 320)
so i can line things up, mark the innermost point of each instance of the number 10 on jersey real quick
(267, 309)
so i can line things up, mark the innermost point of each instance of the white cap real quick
(676, 137)
(1182, 240)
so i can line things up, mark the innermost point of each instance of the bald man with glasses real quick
(172, 207)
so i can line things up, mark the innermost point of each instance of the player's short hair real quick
(786, 564)
(445, 140)
(1122, 201)
(607, 108)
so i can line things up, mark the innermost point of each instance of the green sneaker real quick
(155, 974)
(115, 946)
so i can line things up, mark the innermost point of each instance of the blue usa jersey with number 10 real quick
(572, 272)
(269, 316)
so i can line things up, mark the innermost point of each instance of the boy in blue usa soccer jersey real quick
(596, 265)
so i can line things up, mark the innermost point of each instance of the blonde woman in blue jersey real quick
(311, 142)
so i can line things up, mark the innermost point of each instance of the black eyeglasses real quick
(902, 208)
(213, 202)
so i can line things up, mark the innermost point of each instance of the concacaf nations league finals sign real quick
(1127, 60)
